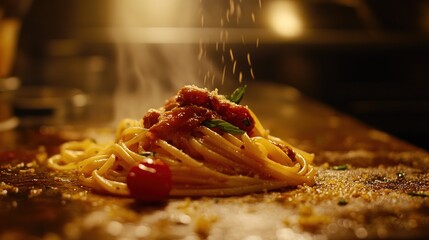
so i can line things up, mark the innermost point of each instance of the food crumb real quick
(3, 192)
(313, 223)
(6, 188)
(204, 223)
(185, 204)
(35, 192)
(29, 170)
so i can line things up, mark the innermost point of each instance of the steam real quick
(165, 44)
(150, 74)
(150, 71)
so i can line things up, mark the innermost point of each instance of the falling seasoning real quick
(234, 66)
(249, 61)
(223, 74)
(213, 79)
(201, 50)
(251, 73)
(238, 13)
(231, 54)
(233, 11)
(231, 7)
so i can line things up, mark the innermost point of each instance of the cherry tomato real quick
(149, 181)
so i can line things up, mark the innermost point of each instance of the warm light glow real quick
(284, 18)
(153, 13)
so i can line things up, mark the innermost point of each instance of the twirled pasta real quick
(205, 161)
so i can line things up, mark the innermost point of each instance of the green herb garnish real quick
(224, 126)
(237, 95)
(342, 202)
(340, 167)
(418, 194)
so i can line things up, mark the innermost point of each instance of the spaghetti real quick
(211, 145)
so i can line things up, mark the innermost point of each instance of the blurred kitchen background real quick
(369, 59)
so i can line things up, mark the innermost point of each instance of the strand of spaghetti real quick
(123, 125)
(202, 172)
(275, 153)
(134, 157)
(289, 174)
(185, 158)
(252, 148)
(303, 163)
(124, 154)
(76, 145)
(135, 139)
(122, 178)
(53, 163)
(108, 164)
(88, 168)
(307, 156)
(253, 168)
(189, 182)
(72, 155)
(77, 150)
(202, 186)
(229, 191)
(92, 162)
(232, 139)
(130, 131)
(69, 156)
(192, 182)
(214, 157)
(195, 169)
(80, 157)
(258, 129)
(310, 175)
(115, 175)
(89, 182)
(214, 139)
(195, 166)
(167, 158)
(276, 169)
(118, 188)
(225, 150)
(185, 173)
(266, 168)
